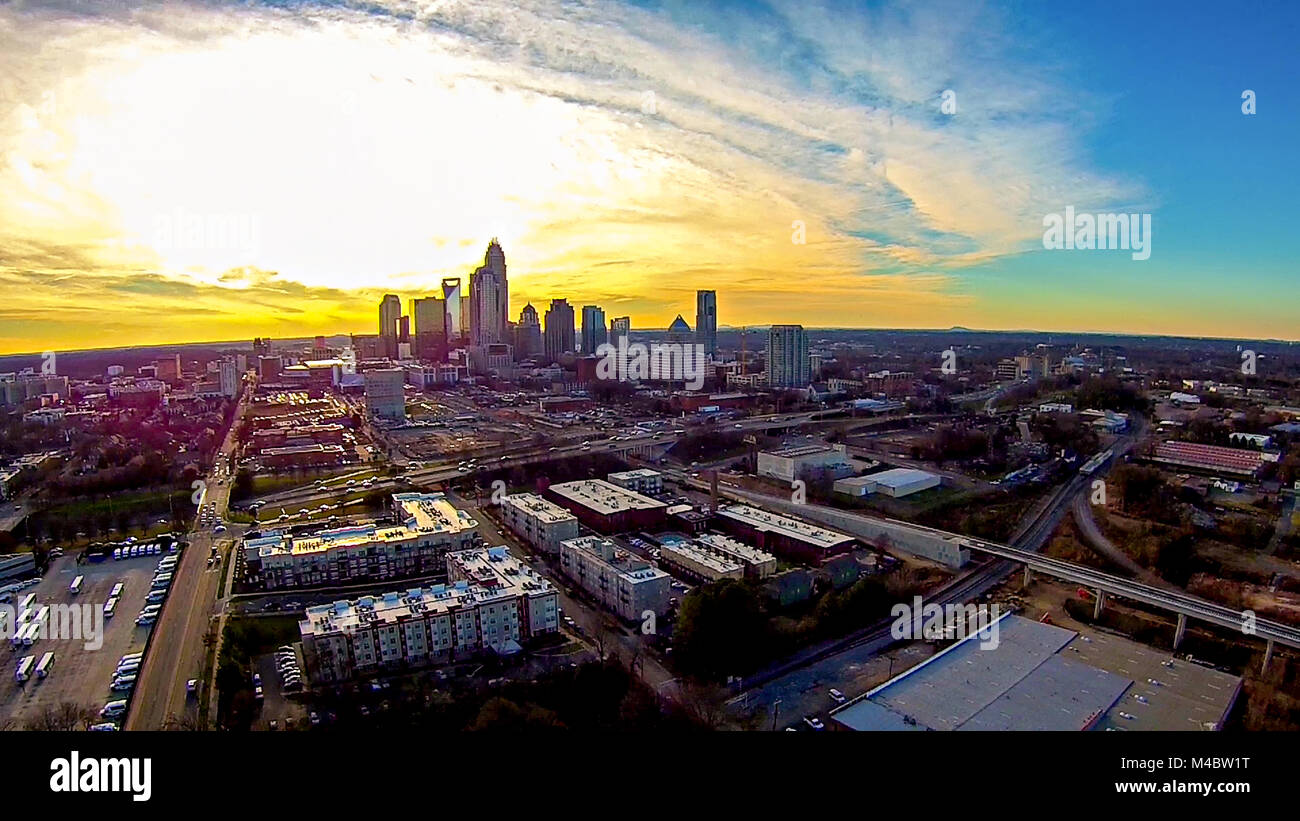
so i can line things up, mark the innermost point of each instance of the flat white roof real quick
(604, 497)
(542, 509)
(766, 520)
(897, 477)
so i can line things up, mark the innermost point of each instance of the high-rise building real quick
(489, 298)
(619, 326)
(679, 332)
(706, 320)
(787, 357)
(228, 377)
(261, 347)
(528, 333)
(593, 328)
(451, 294)
(385, 393)
(390, 313)
(559, 329)
(430, 315)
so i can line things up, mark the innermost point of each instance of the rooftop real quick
(540, 508)
(784, 525)
(897, 477)
(604, 497)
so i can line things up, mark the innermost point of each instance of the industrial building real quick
(1042, 677)
(1210, 458)
(541, 523)
(608, 508)
(492, 604)
(625, 584)
(427, 528)
(783, 535)
(897, 482)
(788, 464)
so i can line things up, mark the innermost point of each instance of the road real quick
(176, 650)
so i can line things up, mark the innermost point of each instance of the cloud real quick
(353, 147)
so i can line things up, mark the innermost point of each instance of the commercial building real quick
(608, 508)
(706, 321)
(428, 528)
(386, 393)
(594, 333)
(559, 333)
(897, 483)
(489, 298)
(626, 585)
(492, 604)
(1043, 677)
(783, 535)
(788, 464)
(541, 523)
(528, 333)
(643, 480)
(787, 357)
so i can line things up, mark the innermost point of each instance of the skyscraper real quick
(593, 328)
(390, 313)
(706, 320)
(528, 333)
(787, 357)
(451, 294)
(489, 298)
(559, 329)
(430, 315)
(619, 326)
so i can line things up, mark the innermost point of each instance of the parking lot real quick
(78, 674)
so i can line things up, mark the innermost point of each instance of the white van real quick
(113, 709)
(75, 587)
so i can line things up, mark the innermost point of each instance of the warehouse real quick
(897, 483)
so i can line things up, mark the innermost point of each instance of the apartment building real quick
(492, 605)
(699, 562)
(427, 527)
(758, 564)
(608, 508)
(643, 480)
(625, 584)
(541, 523)
(785, 536)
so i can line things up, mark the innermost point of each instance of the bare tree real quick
(62, 717)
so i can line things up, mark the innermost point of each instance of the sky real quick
(191, 171)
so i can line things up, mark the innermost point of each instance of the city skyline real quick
(800, 162)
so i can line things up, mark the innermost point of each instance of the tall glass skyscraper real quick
(559, 329)
(706, 320)
(593, 328)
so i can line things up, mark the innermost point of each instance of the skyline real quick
(634, 154)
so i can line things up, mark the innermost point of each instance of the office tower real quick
(787, 357)
(261, 347)
(593, 328)
(318, 345)
(559, 329)
(619, 326)
(404, 329)
(679, 332)
(528, 333)
(706, 320)
(430, 315)
(385, 393)
(451, 294)
(489, 295)
(390, 312)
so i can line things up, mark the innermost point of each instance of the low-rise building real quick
(643, 480)
(492, 605)
(758, 564)
(625, 584)
(788, 464)
(699, 562)
(897, 483)
(783, 535)
(608, 508)
(541, 523)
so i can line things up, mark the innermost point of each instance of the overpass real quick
(1184, 604)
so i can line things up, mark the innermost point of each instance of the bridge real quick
(1184, 604)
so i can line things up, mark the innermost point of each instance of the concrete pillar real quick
(1268, 656)
(1029, 577)
(1100, 605)
(1181, 630)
